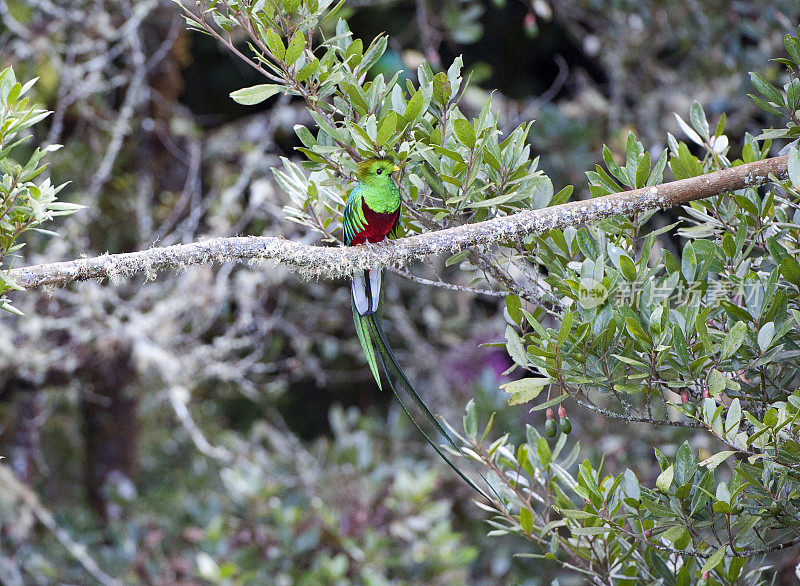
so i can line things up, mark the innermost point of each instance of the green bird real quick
(372, 212)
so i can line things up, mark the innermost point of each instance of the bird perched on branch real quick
(373, 212)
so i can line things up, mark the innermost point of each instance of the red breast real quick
(378, 225)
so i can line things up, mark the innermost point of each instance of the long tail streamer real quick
(371, 335)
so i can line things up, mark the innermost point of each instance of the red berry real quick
(531, 28)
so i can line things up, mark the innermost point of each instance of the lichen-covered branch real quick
(330, 262)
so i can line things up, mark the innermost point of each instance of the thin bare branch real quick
(330, 262)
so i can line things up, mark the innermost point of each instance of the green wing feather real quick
(353, 221)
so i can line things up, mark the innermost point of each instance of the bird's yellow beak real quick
(396, 169)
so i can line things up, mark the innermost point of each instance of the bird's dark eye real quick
(379, 171)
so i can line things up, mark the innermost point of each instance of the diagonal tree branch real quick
(330, 262)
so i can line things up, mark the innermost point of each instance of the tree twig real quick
(330, 262)
(446, 285)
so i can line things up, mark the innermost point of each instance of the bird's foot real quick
(377, 245)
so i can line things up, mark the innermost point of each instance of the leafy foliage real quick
(24, 203)
(697, 338)
(642, 337)
(708, 341)
(457, 169)
(782, 102)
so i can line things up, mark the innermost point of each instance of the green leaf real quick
(735, 567)
(6, 306)
(746, 205)
(657, 175)
(566, 328)
(790, 270)
(526, 520)
(514, 308)
(766, 89)
(766, 106)
(577, 514)
(689, 131)
(256, 94)
(643, 171)
(333, 131)
(716, 382)
(387, 128)
(291, 6)
(296, 47)
(374, 52)
(554, 401)
(715, 560)
(524, 390)
(464, 132)
(632, 488)
(636, 330)
(586, 244)
(689, 263)
(792, 45)
(627, 267)
(679, 344)
(514, 347)
(720, 125)
(794, 167)
(703, 493)
(456, 258)
(717, 459)
(441, 88)
(674, 533)
(543, 451)
(698, 118)
(414, 107)
(354, 53)
(733, 340)
(308, 70)
(223, 22)
(733, 418)
(275, 44)
(562, 196)
(685, 464)
(765, 336)
(664, 480)
(470, 420)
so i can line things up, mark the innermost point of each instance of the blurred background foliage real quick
(219, 425)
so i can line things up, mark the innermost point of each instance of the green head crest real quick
(376, 167)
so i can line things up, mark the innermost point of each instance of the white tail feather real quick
(359, 288)
(366, 294)
(375, 288)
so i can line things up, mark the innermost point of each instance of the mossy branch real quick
(331, 262)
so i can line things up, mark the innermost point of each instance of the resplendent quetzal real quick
(373, 212)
